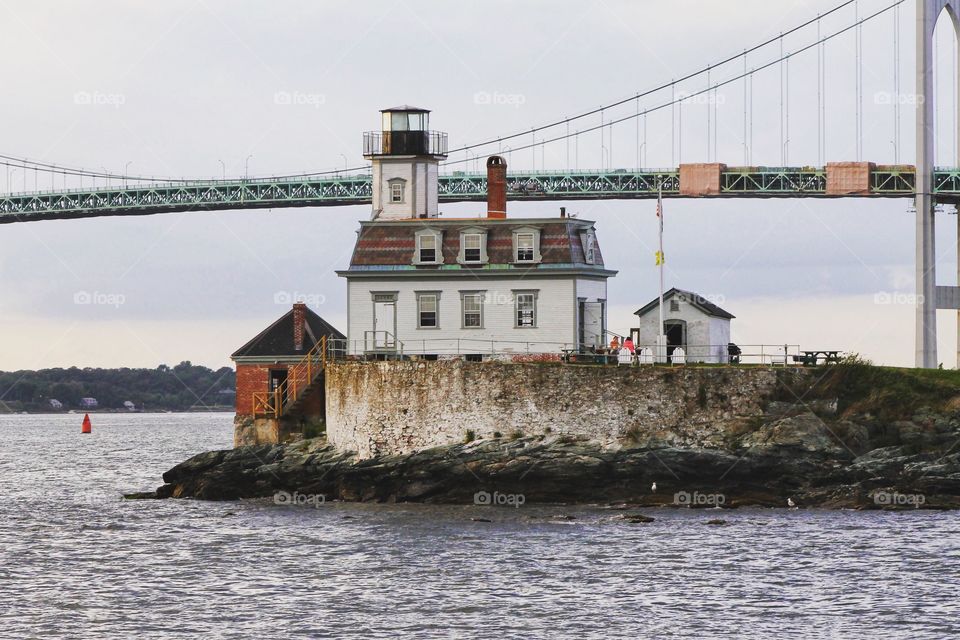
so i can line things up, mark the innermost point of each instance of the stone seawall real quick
(400, 407)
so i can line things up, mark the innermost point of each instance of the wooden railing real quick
(299, 377)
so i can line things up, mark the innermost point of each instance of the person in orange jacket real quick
(615, 344)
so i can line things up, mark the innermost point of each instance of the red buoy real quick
(87, 427)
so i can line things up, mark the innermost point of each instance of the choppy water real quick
(76, 561)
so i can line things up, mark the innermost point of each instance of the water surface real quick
(77, 561)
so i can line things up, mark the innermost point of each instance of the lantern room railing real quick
(404, 143)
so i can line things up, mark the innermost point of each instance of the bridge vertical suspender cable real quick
(637, 143)
(786, 143)
(709, 156)
(745, 162)
(819, 98)
(858, 45)
(673, 125)
(783, 162)
(896, 85)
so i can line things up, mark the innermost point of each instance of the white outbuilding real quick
(691, 322)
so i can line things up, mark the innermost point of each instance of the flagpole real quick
(661, 338)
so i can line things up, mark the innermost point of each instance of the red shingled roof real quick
(389, 244)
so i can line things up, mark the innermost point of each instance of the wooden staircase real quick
(302, 379)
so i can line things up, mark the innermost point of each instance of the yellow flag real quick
(660, 258)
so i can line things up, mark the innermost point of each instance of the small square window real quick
(427, 312)
(472, 247)
(526, 310)
(396, 192)
(674, 305)
(428, 248)
(525, 247)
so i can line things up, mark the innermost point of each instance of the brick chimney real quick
(496, 187)
(299, 313)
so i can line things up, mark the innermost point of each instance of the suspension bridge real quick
(123, 195)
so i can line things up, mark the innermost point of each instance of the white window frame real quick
(588, 240)
(517, 294)
(462, 257)
(438, 246)
(421, 297)
(535, 234)
(481, 295)
(392, 184)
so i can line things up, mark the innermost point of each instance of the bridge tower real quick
(930, 297)
(406, 159)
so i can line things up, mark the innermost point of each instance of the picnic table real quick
(812, 358)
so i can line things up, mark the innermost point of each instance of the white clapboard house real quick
(430, 286)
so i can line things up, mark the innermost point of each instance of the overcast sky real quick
(175, 88)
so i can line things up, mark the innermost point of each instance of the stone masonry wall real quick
(376, 408)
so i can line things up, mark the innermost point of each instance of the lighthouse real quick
(406, 157)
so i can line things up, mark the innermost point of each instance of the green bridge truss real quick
(330, 191)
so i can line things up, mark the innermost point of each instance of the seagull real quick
(791, 503)
(653, 487)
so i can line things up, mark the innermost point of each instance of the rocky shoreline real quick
(866, 439)
(556, 469)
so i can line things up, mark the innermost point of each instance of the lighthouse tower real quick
(406, 157)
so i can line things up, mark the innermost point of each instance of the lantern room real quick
(406, 157)
(405, 131)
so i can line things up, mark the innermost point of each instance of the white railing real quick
(377, 344)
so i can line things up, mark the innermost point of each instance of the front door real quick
(676, 331)
(384, 325)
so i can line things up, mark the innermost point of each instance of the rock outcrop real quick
(891, 441)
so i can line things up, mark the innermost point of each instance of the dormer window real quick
(473, 247)
(526, 246)
(588, 239)
(428, 248)
(429, 243)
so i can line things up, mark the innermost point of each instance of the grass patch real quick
(469, 436)
(890, 393)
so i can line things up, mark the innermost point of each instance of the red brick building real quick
(270, 361)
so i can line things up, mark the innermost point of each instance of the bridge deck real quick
(327, 191)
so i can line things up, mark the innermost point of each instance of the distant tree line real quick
(180, 388)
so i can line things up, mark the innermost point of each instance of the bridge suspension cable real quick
(678, 102)
(664, 86)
